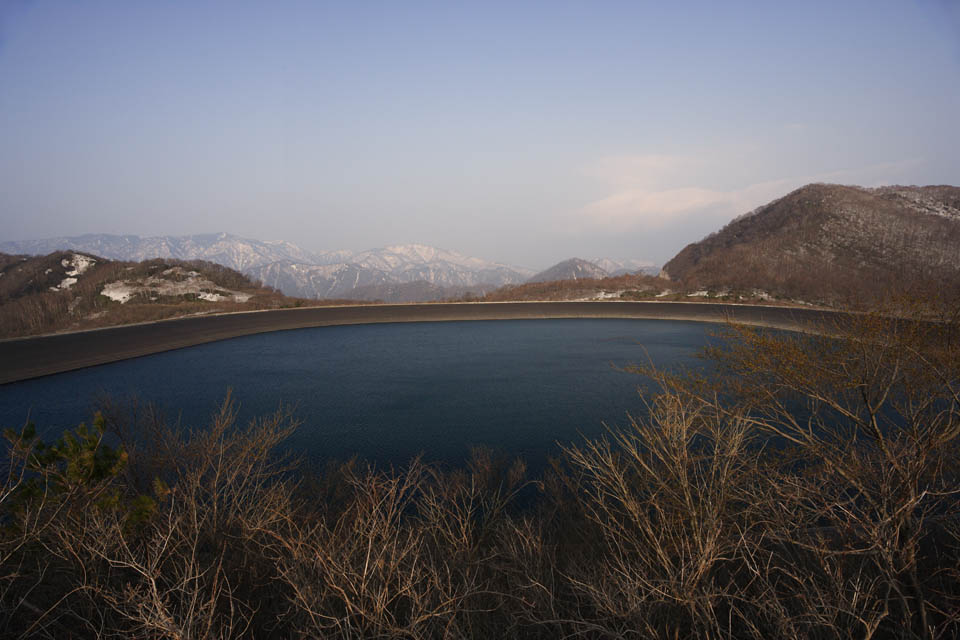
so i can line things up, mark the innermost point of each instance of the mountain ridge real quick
(72, 290)
(821, 243)
(570, 269)
(826, 242)
(295, 271)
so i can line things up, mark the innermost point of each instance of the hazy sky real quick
(516, 131)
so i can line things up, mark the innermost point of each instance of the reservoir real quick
(389, 392)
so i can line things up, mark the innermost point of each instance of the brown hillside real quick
(833, 243)
(70, 290)
(628, 287)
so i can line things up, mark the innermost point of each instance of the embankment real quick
(24, 358)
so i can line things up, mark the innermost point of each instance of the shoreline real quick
(36, 356)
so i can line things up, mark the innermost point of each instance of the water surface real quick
(388, 392)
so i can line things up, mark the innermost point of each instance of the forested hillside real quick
(834, 244)
(69, 290)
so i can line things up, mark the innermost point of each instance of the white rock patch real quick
(79, 262)
(118, 291)
(608, 295)
(187, 283)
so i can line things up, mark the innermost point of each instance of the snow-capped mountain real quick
(223, 248)
(619, 267)
(413, 262)
(316, 280)
(572, 269)
(295, 271)
(398, 264)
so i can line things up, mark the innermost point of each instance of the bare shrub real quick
(872, 412)
(184, 561)
(414, 555)
(670, 498)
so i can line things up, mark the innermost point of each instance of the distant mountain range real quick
(624, 267)
(295, 271)
(827, 243)
(398, 273)
(222, 248)
(821, 243)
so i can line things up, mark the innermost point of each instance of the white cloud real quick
(648, 191)
(636, 170)
(653, 209)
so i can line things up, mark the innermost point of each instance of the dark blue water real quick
(391, 391)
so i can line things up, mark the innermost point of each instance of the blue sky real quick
(516, 131)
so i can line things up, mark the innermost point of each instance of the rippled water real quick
(388, 392)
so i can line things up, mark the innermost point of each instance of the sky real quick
(522, 132)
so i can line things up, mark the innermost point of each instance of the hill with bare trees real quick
(69, 290)
(833, 244)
